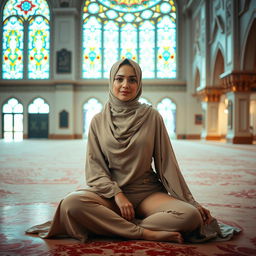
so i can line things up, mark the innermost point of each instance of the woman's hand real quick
(206, 215)
(125, 206)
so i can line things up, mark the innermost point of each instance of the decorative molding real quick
(236, 81)
(239, 81)
(209, 94)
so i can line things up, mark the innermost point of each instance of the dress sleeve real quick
(98, 176)
(167, 166)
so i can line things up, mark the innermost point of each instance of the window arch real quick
(90, 109)
(167, 109)
(26, 39)
(144, 31)
(143, 100)
(12, 113)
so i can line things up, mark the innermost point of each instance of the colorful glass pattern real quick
(129, 42)
(147, 49)
(144, 31)
(26, 19)
(13, 35)
(39, 48)
(111, 39)
(166, 45)
(92, 59)
(129, 5)
(26, 8)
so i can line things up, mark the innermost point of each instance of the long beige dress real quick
(129, 170)
(129, 150)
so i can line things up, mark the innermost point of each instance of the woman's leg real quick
(160, 211)
(83, 211)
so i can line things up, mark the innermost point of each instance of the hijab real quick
(124, 118)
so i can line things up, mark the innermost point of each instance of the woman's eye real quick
(133, 80)
(119, 79)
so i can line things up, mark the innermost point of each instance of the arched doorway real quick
(167, 108)
(90, 109)
(12, 126)
(38, 119)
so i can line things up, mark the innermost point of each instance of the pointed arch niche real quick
(90, 109)
(218, 68)
(12, 120)
(167, 109)
(249, 60)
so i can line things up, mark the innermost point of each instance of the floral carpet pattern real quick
(36, 174)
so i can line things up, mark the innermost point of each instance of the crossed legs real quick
(161, 212)
(162, 217)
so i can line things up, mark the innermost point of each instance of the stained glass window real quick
(142, 30)
(29, 58)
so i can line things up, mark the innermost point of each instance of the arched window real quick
(144, 101)
(38, 106)
(12, 120)
(26, 39)
(90, 109)
(167, 109)
(144, 31)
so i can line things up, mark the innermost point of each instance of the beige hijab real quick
(124, 118)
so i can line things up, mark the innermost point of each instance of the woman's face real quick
(125, 84)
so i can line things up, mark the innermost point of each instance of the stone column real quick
(210, 98)
(238, 86)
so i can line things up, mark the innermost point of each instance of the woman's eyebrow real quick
(124, 76)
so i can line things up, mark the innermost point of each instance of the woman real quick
(126, 196)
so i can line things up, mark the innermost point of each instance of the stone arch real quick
(249, 49)
(218, 68)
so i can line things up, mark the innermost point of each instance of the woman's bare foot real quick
(163, 236)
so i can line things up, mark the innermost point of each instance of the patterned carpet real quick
(36, 174)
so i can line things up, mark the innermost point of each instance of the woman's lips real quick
(124, 92)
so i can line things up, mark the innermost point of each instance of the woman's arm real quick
(97, 173)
